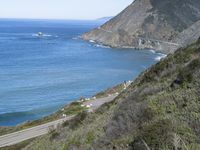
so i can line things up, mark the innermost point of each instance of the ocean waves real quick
(160, 56)
(44, 35)
(14, 118)
(101, 46)
(40, 73)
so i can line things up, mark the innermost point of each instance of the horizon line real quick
(62, 19)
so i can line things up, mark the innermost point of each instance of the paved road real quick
(20, 136)
(17, 137)
(150, 39)
(96, 103)
(155, 40)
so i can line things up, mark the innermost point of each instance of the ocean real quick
(40, 74)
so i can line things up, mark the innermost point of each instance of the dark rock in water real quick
(154, 24)
(40, 34)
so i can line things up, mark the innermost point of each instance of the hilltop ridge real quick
(154, 24)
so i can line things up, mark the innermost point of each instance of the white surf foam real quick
(152, 51)
(161, 56)
(44, 35)
(75, 38)
(91, 41)
(101, 46)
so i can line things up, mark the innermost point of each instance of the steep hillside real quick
(149, 24)
(189, 35)
(105, 19)
(159, 111)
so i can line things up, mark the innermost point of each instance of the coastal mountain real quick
(160, 110)
(104, 19)
(164, 25)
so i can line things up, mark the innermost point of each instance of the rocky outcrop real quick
(189, 35)
(154, 24)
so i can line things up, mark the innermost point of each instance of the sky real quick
(61, 9)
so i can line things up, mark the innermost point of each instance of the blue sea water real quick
(38, 75)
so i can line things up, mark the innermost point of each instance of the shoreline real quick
(73, 108)
(158, 58)
(100, 44)
(167, 48)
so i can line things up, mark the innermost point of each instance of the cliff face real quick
(153, 24)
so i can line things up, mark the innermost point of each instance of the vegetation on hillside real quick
(159, 111)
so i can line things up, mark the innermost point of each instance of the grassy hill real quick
(159, 111)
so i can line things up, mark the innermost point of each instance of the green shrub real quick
(74, 108)
(89, 138)
(76, 121)
(195, 64)
(53, 133)
(157, 135)
(185, 76)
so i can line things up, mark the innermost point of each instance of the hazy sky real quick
(61, 9)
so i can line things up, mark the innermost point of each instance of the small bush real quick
(53, 133)
(74, 108)
(76, 121)
(75, 104)
(185, 76)
(89, 138)
(195, 64)
(157, 135)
